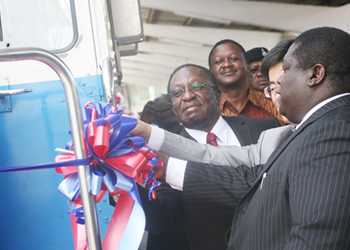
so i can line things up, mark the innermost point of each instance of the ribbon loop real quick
(116, 162)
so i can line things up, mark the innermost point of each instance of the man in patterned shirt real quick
(228, 64)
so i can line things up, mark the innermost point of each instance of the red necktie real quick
(212, 139)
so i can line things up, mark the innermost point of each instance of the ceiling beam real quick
(173, 49)
(280, 16)
(199, 36)
(177, 45)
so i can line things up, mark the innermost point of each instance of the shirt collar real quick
(225, 101)
(318, 106)
(201, 136)
(219, 127)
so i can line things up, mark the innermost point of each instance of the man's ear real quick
(318, 74)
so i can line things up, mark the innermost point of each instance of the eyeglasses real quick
(193, 87)
(268, 90)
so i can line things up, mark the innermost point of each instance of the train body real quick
(33, 111)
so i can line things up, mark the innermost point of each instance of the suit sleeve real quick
(233, 156)
(212, 186)
(319, 190)
(180, 147)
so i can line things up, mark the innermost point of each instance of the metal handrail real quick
(76, 124)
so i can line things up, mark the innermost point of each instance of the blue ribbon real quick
(45, 165)
(78, 212)
(120, 143)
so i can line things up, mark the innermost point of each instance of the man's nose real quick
(258, 74)
(227, 62)
(188, 94)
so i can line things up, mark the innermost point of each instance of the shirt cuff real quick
(175, 173)
(156, 138)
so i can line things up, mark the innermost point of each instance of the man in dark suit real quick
(300, 198)
(195, 103)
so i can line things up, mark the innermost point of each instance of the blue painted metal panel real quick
(33, 214)
(5, 101)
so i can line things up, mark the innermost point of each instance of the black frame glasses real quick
(268, 89)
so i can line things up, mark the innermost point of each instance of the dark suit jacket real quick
(299, 199)
(207, 225)
(187, 222)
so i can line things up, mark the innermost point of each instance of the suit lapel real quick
(184, 133)
(317, 115)
(241, 129)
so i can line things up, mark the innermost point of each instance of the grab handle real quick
(75, 117)
(10, 92)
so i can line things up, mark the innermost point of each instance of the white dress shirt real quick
(318, 106)
(176, 168)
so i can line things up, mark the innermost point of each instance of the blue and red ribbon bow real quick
(117, 161)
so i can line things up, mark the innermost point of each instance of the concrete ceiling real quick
(183, 31)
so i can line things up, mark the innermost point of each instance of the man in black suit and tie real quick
(195, 103)
(300, 198)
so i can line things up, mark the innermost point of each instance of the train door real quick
(33, 110)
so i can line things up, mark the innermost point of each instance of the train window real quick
(49, 25)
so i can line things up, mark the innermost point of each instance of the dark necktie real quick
(212, 139)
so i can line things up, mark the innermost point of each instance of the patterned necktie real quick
(212, 139)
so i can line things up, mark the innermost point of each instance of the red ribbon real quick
(135, 165)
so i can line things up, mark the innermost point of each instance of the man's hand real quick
(142, 129)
